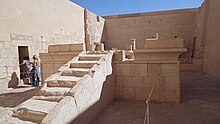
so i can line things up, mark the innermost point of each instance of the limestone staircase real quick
(69, 92)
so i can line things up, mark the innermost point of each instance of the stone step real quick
(89, 57)
(61, 81)
(97, 52)
(83, 64)
(53, 91)
(78, 72)
(33, 110)
(49, 98)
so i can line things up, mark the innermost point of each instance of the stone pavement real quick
(200, 97)
(11, 98)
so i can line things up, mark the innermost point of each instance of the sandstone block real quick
(57, 65)
(172, 96)
(64, 112)
(83, 64)
(136, 81)
(100, 47)
(44, 76)
(127, 81)
(63, 58)
(62, 81)
(142, 68)
(64, 47)
(116, 69)
(76, 47)
(45, 57)
(76, 89)
(49, 98)
(54, 91)
(34, 110)
(89, 58)
(140, 93)
(82, 99)
(78, 72)
(119, 81)
(153, 69)
(119, 92)
(172, 83)
(128, 93)
(53, 48)
(170, 70)
(125, 73)
(119, 55)
(88, 83)
(47, 68)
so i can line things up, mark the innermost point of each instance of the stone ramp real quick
(70, 91)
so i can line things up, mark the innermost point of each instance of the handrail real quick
(147, 113)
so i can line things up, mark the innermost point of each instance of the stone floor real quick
(200, 104)
(10, 98)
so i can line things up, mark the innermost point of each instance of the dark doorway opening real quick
(23, 52)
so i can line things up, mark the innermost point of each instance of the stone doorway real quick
(22, 52)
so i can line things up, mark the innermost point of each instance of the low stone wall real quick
(134, 80)
(57, 56)
(196, 65)
(107, 97)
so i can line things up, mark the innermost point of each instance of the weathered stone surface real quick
(83, 64)
(34, 110)
(4, 114)
(54, 91)
(137, 78)
(100, 47)
(95, 29)
(164, 54)
(119, 55)
(166, 43)
(67, 81)
(89, 58)
(56, 80)
(78, 72)
(49, 98)
(76, 47)
(64, 112)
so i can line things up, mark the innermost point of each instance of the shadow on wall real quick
(13, 83)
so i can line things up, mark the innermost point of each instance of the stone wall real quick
(134, 81)
(212, 38)
(94, 26)
(168, 24)
(200, 39)
(107, 98)
(36, 24)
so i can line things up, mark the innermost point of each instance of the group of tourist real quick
(31, 70)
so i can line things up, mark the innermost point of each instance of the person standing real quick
(36, 71)
(26, 67)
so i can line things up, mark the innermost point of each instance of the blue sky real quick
(114, 7)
